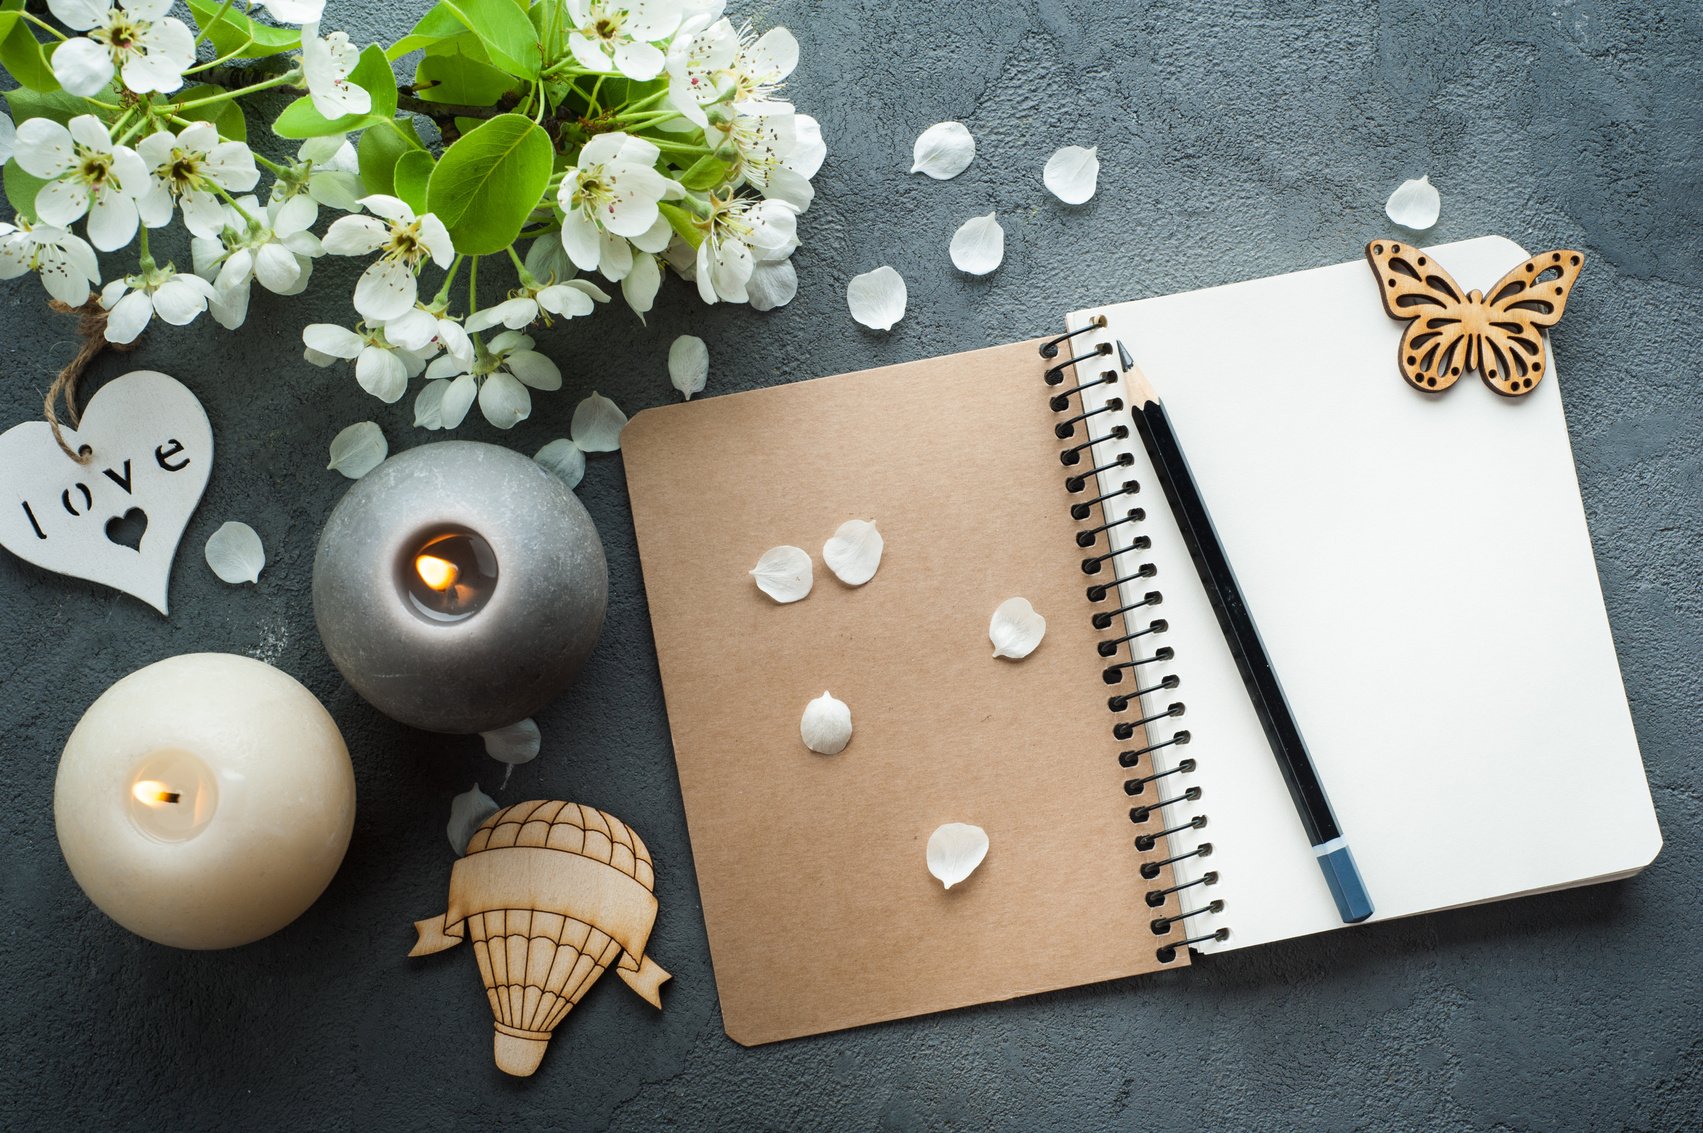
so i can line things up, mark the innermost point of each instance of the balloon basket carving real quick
(550, 894)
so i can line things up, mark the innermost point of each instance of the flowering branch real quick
(622, 141)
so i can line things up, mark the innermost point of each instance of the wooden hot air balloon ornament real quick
(550, 894)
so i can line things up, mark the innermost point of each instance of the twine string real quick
(91, 328)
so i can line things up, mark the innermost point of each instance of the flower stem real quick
(225, 58)
(443, 292)
(218, 17)
(287, 77)
(43, 25)
(272, 165)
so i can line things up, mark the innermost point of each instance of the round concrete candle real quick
(204, 801)
(459, 587)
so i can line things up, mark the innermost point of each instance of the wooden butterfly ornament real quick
(1452, 331)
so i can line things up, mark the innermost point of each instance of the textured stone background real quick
(1238, 139)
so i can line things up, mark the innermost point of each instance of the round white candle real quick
(205, 801)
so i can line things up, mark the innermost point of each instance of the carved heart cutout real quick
(127, 530)
(152, 450)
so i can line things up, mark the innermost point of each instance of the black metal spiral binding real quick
(1113, 514)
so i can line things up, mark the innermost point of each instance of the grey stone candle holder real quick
(536, 625)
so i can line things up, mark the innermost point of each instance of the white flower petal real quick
(514, 743)
(979, 245)
(597, 424)
(386, 290)
(784, 573)
(943, 151)
(467, 812)
(534, 369)
(1072, 173)
(504, 401)
(329, 338)
(457, 400)
(688, 364)
(854, 552)
(128, 316)
(235, 554)
(428, 405)
(955, 850)
(1415, 204)
(565, 459)
(381, 373)
(358, 450)
(877, 298)
(83, 67)
(827, 725)
(355, 236)
(1016, 629)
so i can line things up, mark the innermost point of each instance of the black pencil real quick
(1302, 778)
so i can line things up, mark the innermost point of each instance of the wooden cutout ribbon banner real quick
(550, 893)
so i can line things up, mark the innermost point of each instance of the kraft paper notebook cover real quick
(1419, 568)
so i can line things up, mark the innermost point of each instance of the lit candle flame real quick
(152, 792)
(439, 574)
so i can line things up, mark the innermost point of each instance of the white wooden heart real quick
(152, 450)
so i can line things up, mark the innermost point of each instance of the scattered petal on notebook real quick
(783, 573)
(1016, 629)
(854, 552)
(955, 850)
(827, 725)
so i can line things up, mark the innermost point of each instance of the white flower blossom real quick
(132, 302)
(381, 367)
(86, 174)
(191, 168)
(387, 289)
(743, 233)
(621, 35)
(271, 246)
(778, 152)
(723, 64)
(65, 262)
(609, 199)
(499, 377)
(567, 300)
(326, 172)
(8, 138)
(148, 49)
(326, 63)
(427, 330)
(300, 12)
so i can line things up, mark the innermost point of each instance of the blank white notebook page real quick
(1420, 571)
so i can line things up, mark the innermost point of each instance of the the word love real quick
(116, 519)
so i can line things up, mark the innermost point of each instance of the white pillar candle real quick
(205, 801)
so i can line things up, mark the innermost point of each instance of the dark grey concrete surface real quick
(1238, 139)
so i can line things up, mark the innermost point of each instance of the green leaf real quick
(226, 117)
(301, 120)
(685, 225)
(489, 181)
(708, 172)
(230, 31)
(438, 24)
(454, 77)
(380, 148)
(503, 28)
(23, 57)
(413, 173)
(21, 189)
(57, 105)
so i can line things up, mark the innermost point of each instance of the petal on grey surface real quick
(1072, 173)
(514, 743)
(466, 812)
(877, 298)
(688, 365)
(1415, 204)
(565, 459)
(235, 553)
(979, 245)
(597, 424)
(358, 449)
(943, 151)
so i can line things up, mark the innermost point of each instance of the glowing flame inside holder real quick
(172, 796)
(450, 576)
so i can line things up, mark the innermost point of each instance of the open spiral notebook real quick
(1419, 568)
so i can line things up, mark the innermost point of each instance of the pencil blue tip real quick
(1346, 887)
